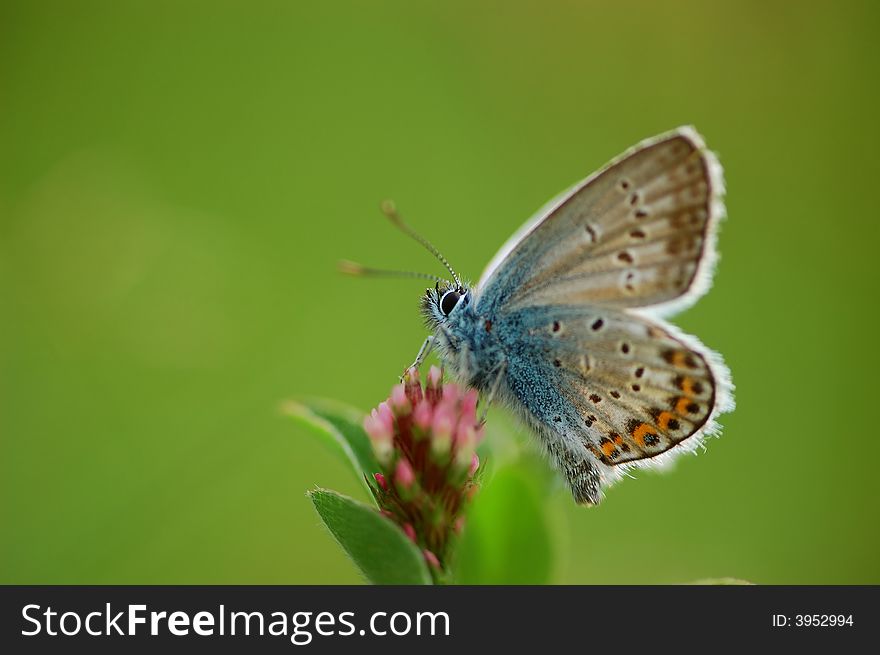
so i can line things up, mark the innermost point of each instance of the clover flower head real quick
(425, 440)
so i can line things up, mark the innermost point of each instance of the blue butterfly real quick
(565, 325)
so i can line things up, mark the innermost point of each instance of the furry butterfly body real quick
(565, 327)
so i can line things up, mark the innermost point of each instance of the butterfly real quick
(566, 325)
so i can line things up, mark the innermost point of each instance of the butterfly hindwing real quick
(640, 233)
(629, 388)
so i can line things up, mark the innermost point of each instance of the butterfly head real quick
(445, 300)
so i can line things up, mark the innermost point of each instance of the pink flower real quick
(425, 440)
(399, 400)
(404, 474)
(431, 558)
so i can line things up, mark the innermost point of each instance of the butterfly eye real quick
(448, 302)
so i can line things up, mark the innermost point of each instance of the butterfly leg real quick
(424, 351)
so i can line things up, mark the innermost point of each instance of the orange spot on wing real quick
(685, 406)
(687, 385)
(608, 448)
(680, 358)
(663, 419)
(681, 405)
(641, 432)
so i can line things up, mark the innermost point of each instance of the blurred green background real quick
(178, 180)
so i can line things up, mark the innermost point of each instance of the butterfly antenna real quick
(358, 270)
(389, 209)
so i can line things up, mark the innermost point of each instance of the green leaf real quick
(379, 548)
(506, 538)
(339, 426)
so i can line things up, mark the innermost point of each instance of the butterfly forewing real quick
(637, 234)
